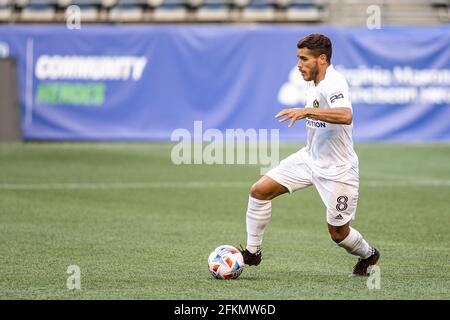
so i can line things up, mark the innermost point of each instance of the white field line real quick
(405, 183)
(194, 185)
(121, 185)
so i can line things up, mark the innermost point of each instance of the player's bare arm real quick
(332, 115)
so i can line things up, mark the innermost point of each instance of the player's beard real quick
(309, 76)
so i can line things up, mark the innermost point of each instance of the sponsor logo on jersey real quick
(315, 124)
(315, 103)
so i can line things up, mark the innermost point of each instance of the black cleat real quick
(251, 259)
(364, 266)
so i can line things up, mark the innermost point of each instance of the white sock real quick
(355, 244)
(258, 215)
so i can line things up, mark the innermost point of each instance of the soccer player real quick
(328, 161)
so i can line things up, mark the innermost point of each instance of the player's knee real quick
(338, 233)
(336, 236)
(258, 192)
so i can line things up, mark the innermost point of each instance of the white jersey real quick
(329, 151)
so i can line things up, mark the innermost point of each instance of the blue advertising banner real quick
(144, 82)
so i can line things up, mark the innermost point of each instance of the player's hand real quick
(292, 113)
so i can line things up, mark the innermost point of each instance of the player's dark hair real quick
(318, 44)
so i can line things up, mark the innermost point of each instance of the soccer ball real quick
(226, 262)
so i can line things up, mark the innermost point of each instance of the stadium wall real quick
(140, 82)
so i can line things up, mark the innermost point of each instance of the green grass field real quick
(140, 227)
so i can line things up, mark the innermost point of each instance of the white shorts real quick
(340, 196)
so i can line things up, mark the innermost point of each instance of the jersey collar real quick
(328, 72)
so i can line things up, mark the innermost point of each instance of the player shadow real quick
(295, 276)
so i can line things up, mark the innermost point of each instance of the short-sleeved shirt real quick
(329, 151)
